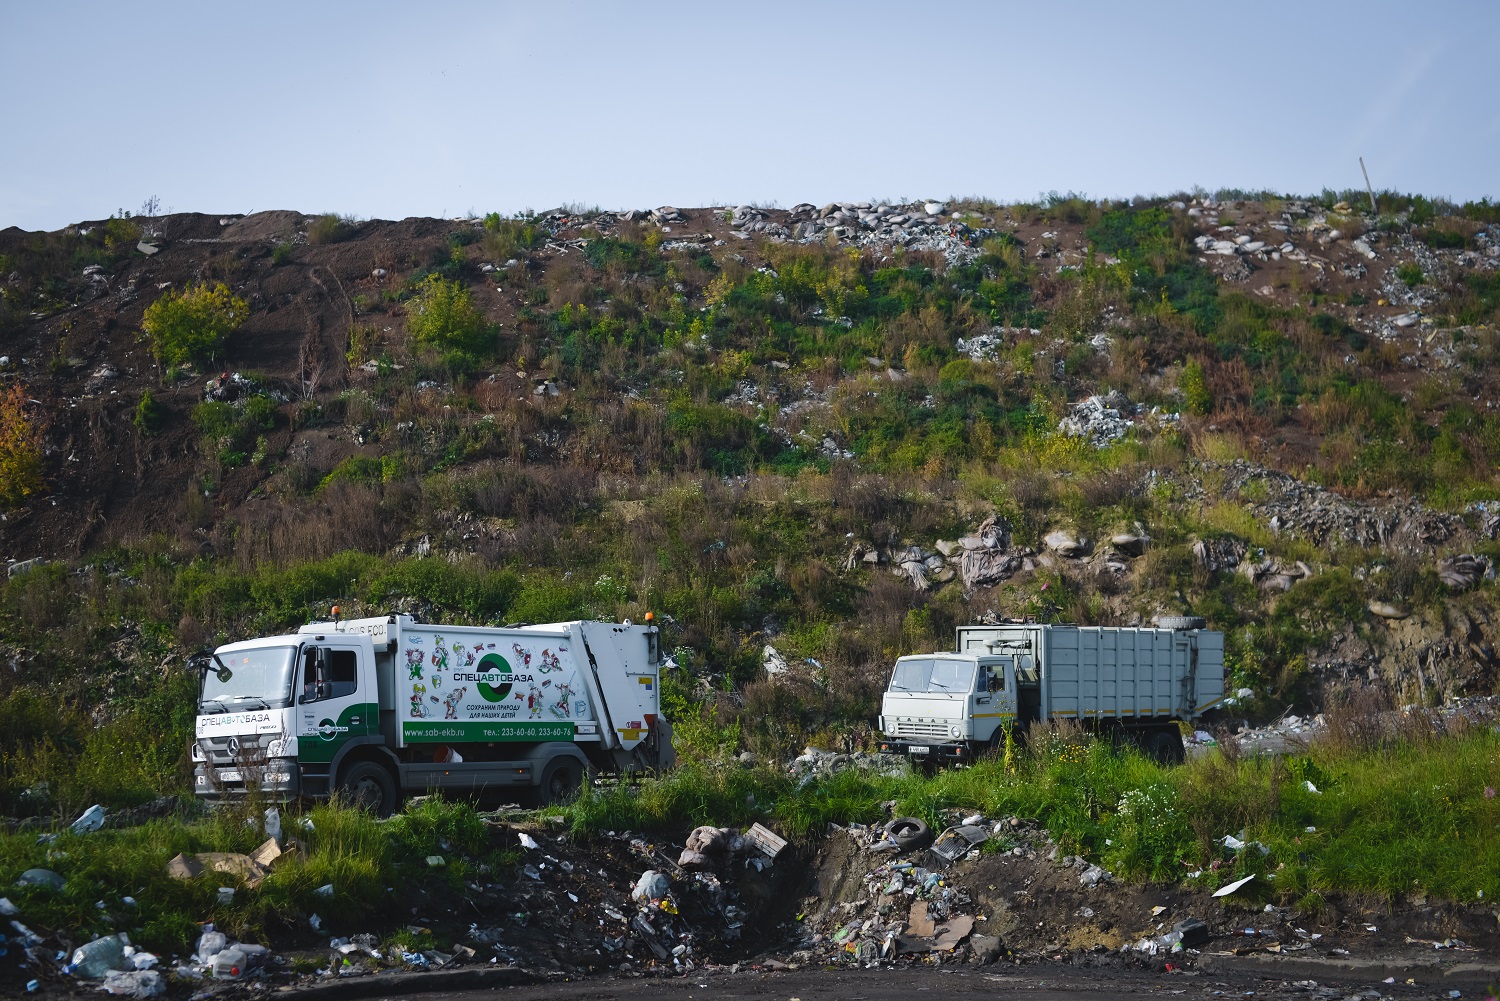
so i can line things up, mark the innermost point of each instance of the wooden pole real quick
(1371, 190)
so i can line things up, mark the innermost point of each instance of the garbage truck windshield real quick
(928, 674)
(254, 679)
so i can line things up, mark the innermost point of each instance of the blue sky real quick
(394, 109)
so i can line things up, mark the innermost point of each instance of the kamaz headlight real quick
(955, 731)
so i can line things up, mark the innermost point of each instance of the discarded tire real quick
(910, 833)
(1181, 622)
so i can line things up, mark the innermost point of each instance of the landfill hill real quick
(809, 439)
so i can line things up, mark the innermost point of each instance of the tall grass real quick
(367, 862)
(1409, 817)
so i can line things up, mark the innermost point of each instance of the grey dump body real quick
(387, 706)
(1138, 682)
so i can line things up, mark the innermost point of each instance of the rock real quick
(1065, 543)
(1129, 543)
(986, 948)
(1387, 611)
(934, 208)
(378, 273)
(772, 660)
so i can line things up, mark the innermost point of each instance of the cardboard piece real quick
(253, 868)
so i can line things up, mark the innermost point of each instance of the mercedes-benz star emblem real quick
(234, 746)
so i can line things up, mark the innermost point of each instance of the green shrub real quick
(506, 239)
(329, 228)
(281, 254)
(1195, 395)
(149, 414)
(230, 430)
(442, 315)
(20, 448)
(1411, 274)
(192, 325)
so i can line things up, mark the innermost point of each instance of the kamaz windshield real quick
(249, 679)
(932, 674)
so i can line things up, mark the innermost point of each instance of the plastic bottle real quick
(229, 965)
(98, 957)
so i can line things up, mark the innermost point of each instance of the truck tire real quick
(1181, 622)
(562, 779)
(1165, 746)
(369, 786)
(909, 833)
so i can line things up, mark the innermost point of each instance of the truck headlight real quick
(197, 752)
(278, 748)
(955, 731)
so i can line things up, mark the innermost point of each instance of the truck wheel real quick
(561, 781)
(369, 786)
(1165, 746)
(910, 833)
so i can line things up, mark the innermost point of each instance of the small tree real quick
(192, 325)
(20, 449)
(443, 315)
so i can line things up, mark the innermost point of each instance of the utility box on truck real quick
(380, 707)
(1134, 682)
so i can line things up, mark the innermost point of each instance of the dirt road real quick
(1034, 984)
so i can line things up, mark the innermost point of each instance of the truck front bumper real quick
(947, 750)
(278, 778)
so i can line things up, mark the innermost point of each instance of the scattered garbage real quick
(766, 840)
(1229, 888)
(45, 879)
(93, 960)
(134, 983)
(527, 841)
(651, 886)
(89, 821)
(252, 867)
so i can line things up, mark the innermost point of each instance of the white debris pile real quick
(1095, 420)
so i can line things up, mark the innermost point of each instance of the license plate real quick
(229, 775)
(920, 750)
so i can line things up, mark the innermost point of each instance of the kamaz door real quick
(994, 700)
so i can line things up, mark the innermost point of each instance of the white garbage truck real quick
(1128, 683)
(379, 708)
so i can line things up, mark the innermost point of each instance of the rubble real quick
(1097, 419)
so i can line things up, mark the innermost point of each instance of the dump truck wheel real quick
(561, 781)
(1165, 746)
(369, 786)
(910, 833)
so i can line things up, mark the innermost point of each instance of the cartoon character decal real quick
(452, 701)
(414, 666)
(549, 662)
(437, 681)
(523, 656)
(418, 711)
(439, 654)
(534, 702)
(560, 708)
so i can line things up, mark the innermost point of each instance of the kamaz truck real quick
(1132, 684)
(380, 708)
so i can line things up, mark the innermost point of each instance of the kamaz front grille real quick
(905, 728)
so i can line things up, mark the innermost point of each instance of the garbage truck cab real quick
(948, 705)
